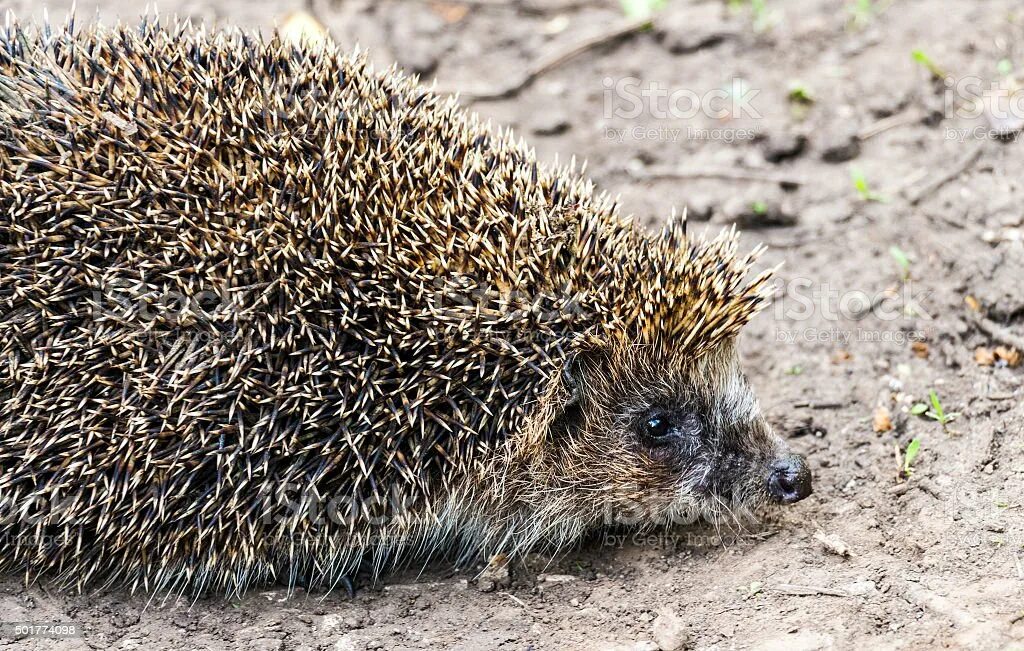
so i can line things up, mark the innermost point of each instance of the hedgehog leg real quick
(350, 587)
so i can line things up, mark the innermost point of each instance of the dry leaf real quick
(883, 420)
(984, 357)
(841, 356)
(450, 13)
(972, 303)
(920, 349)
(833, 544)
(1011, 356)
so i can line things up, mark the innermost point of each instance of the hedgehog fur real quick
(269, 314)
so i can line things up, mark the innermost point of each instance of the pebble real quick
(555, 578)
(495, 575)
(670, 631)
(784, 146)
(550, 122)
(700, 207)
(840, 145)
(746, 214)
(694, 28)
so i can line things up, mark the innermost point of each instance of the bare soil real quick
(933, 561)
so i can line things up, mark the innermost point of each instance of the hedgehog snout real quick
(789, 479)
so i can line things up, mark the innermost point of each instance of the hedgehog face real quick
(674, 440)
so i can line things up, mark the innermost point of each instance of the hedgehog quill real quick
(269, 314)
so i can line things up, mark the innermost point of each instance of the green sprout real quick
(902, 260)
(794, 370)
(1004, 67)
(926, 61)
(800, 94)
(759, 208)
(934, 410)
(763, 18)
(862, 12)
(913, 448)
(860, 184)
(641, 9)
(937, 413)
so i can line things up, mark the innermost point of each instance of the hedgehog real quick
(270, 314)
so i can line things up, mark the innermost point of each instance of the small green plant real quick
(763, 18)
(902, 260)
(913, 448)
(800, 94)
(794, 370)
(934, 410)
(759, 208)
(862, 12)
(926, 61)
(1004, 67)
(860, 184)
(937, 413)
(641, 9)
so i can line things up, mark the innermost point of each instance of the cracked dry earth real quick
(868, 561)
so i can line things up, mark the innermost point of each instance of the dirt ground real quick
(819, 95)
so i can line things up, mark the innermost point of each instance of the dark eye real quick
(656, 426)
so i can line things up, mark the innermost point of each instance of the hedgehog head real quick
(655, 422)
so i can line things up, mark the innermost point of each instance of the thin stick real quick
(998, 332)
(818, 405)
(712, 173)
(547, 65)
(961, 166)
(809, 590)
(891, 122)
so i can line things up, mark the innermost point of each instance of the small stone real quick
(785, 146)
(833, 544)
(555, 578)
(1002, 109)
(840, 146)
(496, 575)
(418, 58)
(670, 631)
(692, 28)
(700, 207)
(757, 214)
(550, 123)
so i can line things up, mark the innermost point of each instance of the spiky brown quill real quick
(266, 313)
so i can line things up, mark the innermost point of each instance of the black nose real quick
(789, 480)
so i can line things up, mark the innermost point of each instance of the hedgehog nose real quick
(789, 480)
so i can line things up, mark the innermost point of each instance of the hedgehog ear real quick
(572, 380)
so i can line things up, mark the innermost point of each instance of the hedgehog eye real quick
(656, 427)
